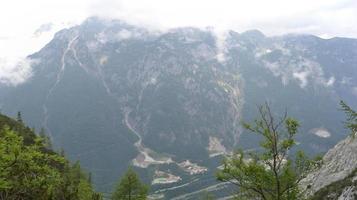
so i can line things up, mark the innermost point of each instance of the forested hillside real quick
(31, 170)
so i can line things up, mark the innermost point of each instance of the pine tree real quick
(19, 117)
(46, 139)
(351, 122)
(130, 188)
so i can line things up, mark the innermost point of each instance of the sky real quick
(27, 25)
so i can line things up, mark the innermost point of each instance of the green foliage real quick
(351, 122)
(270, 174)
(130, 188)
(30, 170)
(75, 184)
(46, 139)
(26, 133)
(26, 171)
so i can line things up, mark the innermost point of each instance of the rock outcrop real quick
(337, 177)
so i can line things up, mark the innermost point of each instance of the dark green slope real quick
(30, 169)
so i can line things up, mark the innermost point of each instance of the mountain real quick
(337, 177)
(170, 103)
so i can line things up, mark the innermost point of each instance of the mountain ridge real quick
(177, 93)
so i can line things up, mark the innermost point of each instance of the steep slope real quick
(344, 189)
(336, 179)
(25, 132)
(30, 169)
(290, 72)
(113, 95)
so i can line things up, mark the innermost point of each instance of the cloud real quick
(123, 34)
(329, 82)
(14, 72)
(302, 77)
(14, 66)
(291, 67)
(325, 18)
(26, 27)
(43, 28)
(321, 132)
(321, 17)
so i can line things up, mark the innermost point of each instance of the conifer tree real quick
(19, 117)
(351, 122)
(130, 188)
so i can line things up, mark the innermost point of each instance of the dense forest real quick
(30, 169)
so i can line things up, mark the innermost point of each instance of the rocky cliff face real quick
(337, 178)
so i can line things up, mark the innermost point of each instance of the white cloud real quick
(302, 77)
(20, 19)
(221, 45)
(42, 29)
(26, 26)
(289, 67)
(320, 17)
(13, 72)
(329, 82)
(125, 34)
(321, 132)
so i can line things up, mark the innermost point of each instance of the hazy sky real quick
(27, 25)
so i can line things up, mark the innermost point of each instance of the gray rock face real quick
(338, 163)
(348, 193)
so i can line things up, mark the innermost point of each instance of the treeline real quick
(31, 170)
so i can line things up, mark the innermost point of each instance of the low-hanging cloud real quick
(14, 72)
(324, 18)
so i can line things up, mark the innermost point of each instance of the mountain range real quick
(171, 103)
